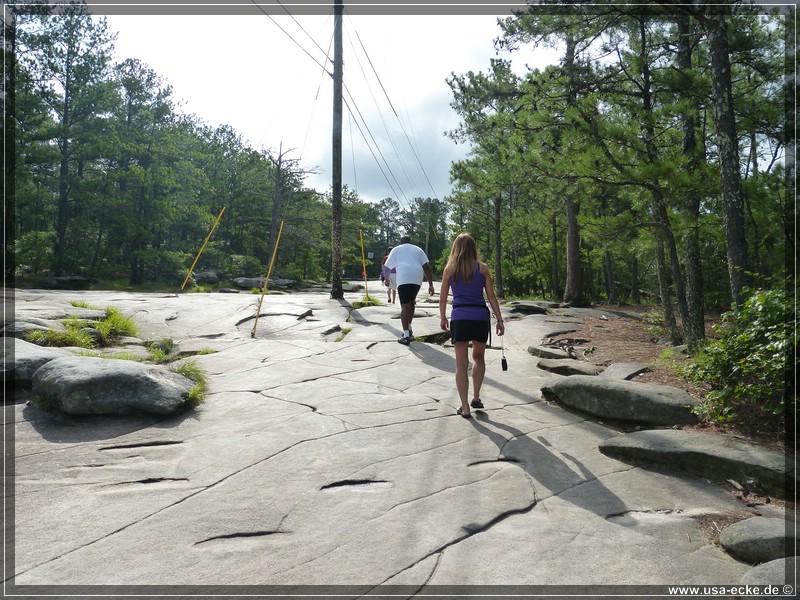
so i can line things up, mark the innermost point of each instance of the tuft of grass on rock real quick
(74, 335)
(367, 300)
(194, 372)
(82, 304)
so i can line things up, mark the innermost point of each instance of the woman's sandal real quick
(476, 403)
(460, 413)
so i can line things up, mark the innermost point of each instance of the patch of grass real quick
(192, 371)
(82, 304)
(367, 300)
(115, 325)
(345, 331)
(159, 351)
(72, 336)
(204, 351)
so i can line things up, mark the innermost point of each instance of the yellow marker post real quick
(202, 247)
(364, 262)
(266, 281)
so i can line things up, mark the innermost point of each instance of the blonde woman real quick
(468, 278)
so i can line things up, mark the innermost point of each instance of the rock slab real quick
(623, 400)
(717, 457)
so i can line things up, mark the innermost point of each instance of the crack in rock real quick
(368, 483)
(502, 459)
(240, 535)
(147, 481)
(142, 445)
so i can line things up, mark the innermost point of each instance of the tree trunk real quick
(573, 290)
(10, 143)
(634, 268)
(666, 296)
(498, 266)
(556, 292)
(727, 144)
(694, 320)
(611, 289)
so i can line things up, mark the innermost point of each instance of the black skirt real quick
(465, 330)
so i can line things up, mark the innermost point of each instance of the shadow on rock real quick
(546, 468)
(62, 428)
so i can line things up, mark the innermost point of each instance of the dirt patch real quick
(630, 339)
(635, 338)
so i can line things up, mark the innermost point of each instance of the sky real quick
(263, 76)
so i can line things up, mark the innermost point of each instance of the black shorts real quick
(407, 292)
(465, 330)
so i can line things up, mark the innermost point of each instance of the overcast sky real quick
(263, 76)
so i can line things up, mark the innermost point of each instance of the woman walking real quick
(470, 319)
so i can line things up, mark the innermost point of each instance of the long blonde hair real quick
(463, 258)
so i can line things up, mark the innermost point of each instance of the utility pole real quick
(337, 293)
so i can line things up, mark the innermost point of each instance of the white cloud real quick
(255, 74)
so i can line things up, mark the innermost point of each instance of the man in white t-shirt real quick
(411, 264)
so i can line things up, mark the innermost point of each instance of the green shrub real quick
(748, 366)
(238, 265)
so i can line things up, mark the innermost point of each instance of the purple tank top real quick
(468, 302)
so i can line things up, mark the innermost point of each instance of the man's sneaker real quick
(405, 340)
(410, 334)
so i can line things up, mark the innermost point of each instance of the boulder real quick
(623, 400)
(23, 360)
(568, 366)
(19, 328)
(211, 276)
(248, 283)
(67, 282)
(780, 572)
(528, 307)
(758, 539)
(82, 385)
(717, 457)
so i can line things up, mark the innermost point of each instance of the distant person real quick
(389, 278)
(411, 264)
(470, 320)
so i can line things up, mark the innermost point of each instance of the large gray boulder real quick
(623, 400)
(25, 358)
(717, 457)
(758, 539)
(82, 385)
(781, 572)
(248, 283)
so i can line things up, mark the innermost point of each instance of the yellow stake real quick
(202, 247)
(266, 282)
(363, 262)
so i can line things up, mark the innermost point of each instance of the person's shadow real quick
(566, 477)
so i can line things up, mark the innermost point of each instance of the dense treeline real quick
(648, 164)
(648, 161)
(110, 180)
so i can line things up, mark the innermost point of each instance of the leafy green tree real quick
(71, 55)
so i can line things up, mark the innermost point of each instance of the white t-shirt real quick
(407, 260)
